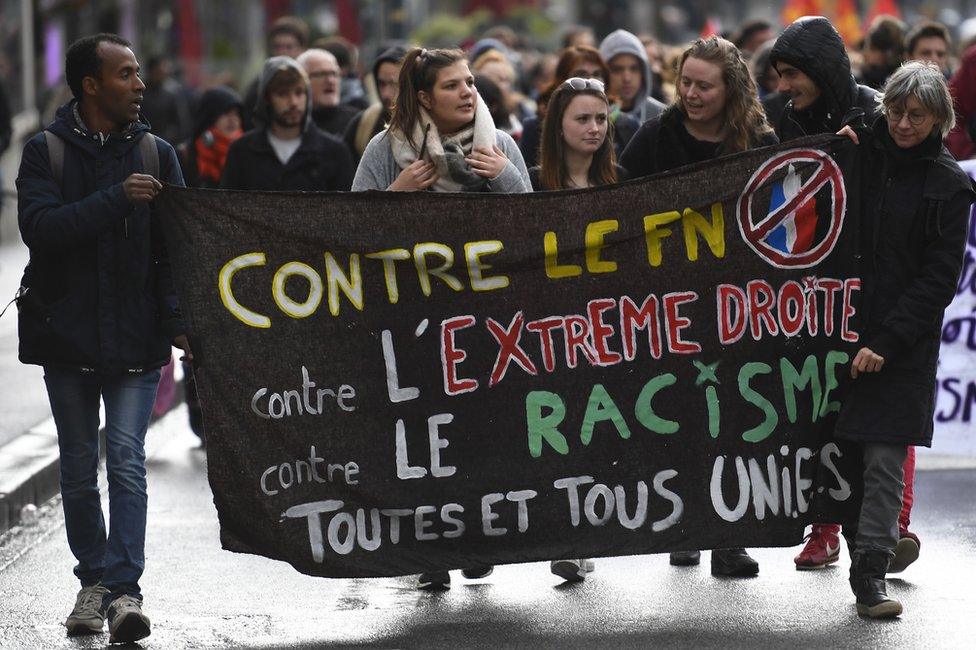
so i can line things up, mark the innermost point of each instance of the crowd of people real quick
(491, 118)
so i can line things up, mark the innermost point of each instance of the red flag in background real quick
(191, 42)
(794, 9)
(349, 26)
(883, 7)
(712, 27)
(847, 20)
(275, 9)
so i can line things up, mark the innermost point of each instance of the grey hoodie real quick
(262, 110)
(623, 42)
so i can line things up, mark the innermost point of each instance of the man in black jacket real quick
(815, 72)
(98, 312)
(288, 152)
(373, 119)
(328, 113)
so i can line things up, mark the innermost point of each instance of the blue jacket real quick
(99, 289)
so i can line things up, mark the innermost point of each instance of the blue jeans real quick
(115, 561)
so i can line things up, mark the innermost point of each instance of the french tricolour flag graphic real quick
(795, 233)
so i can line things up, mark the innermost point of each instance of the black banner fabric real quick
(398, 382)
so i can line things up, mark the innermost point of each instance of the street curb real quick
(29, 466)
(28, 472)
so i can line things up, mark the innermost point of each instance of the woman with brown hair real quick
(716, 112)
(577, 143)
(586, 63)
(441, 136)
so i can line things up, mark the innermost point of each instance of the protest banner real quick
(955, 411)
(399, 382)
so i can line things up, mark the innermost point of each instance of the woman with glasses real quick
(577, 143)
(441, 136)
(586, 63)
(915, 214)
(716, 112)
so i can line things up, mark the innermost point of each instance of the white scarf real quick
(447, 154)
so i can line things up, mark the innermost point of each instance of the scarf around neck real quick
(447, 152)
(211, 150)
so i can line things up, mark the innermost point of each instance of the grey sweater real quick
(378, 168)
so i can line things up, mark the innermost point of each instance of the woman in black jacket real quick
(716, 112)
(916, 212)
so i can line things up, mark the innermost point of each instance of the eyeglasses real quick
(895, 116)
(324, 74)
(579, 83)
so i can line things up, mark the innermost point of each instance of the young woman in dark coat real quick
(916, 207)
(577, 142)
(716, 112)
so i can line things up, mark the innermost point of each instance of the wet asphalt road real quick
(199, 596)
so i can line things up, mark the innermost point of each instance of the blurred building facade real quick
(222, 41)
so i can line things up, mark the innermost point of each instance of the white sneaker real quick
(571, 570)
(126, 622)
(87, 616)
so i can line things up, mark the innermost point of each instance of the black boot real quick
(733, 562)
(868, 570)
(685, 558)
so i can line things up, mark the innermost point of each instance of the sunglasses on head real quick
(579, 83)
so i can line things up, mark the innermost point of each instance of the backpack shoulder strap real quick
(150, 155)
(55, 154)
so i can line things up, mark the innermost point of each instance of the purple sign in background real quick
(955, 412)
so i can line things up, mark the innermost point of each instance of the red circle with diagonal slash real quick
(754, 234)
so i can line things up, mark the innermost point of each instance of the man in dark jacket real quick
(288, 152)
(372, 120)
(814, 70)
(98, 312)
(328, 113)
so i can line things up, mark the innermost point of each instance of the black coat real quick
(663, 143)
(915, 211)
(100, 293)
(813, 46)
(624, 127)
(322, 163)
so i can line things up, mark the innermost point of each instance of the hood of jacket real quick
(812, 46)
(71, 128)
(623, 42)
(214, 103)
(262, 109)
(394, 54)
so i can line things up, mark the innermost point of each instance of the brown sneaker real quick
(87, 616)
(905, 553)
(126, 622)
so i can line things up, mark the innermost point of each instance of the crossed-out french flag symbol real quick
(795, 233)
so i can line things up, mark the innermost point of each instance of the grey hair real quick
(925, 82)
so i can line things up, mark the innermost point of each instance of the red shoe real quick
(905, 553)
(822, 548)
